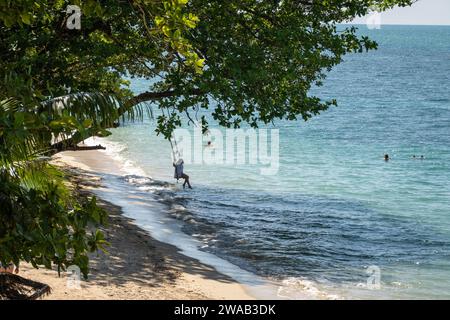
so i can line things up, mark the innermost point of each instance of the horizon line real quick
(400, 24)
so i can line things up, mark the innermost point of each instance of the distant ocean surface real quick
(335, 207)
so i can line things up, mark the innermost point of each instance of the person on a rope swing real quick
(179, 174)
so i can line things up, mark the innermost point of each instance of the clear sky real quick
(428, 12)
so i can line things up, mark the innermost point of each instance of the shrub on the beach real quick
(40, 220)
(43, 226)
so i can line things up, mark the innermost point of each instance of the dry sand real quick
(136, 266)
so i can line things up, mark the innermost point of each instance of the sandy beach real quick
(136, 266)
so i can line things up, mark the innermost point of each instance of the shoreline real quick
(137, 265)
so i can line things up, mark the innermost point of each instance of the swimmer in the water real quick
(386, 158)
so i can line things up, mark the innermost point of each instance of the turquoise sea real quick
(335, 207)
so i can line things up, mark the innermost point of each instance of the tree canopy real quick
(251, 61)
(256, 59)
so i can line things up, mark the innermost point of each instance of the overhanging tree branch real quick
(149, 96)
(71, 143)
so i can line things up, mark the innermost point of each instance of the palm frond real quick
(16, 141)
(98, 107)
(101, 108)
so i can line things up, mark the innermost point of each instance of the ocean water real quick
(336, 215)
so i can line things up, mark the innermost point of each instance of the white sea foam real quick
(295, 288)
(117, 151)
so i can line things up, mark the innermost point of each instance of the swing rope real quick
(175, 155)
